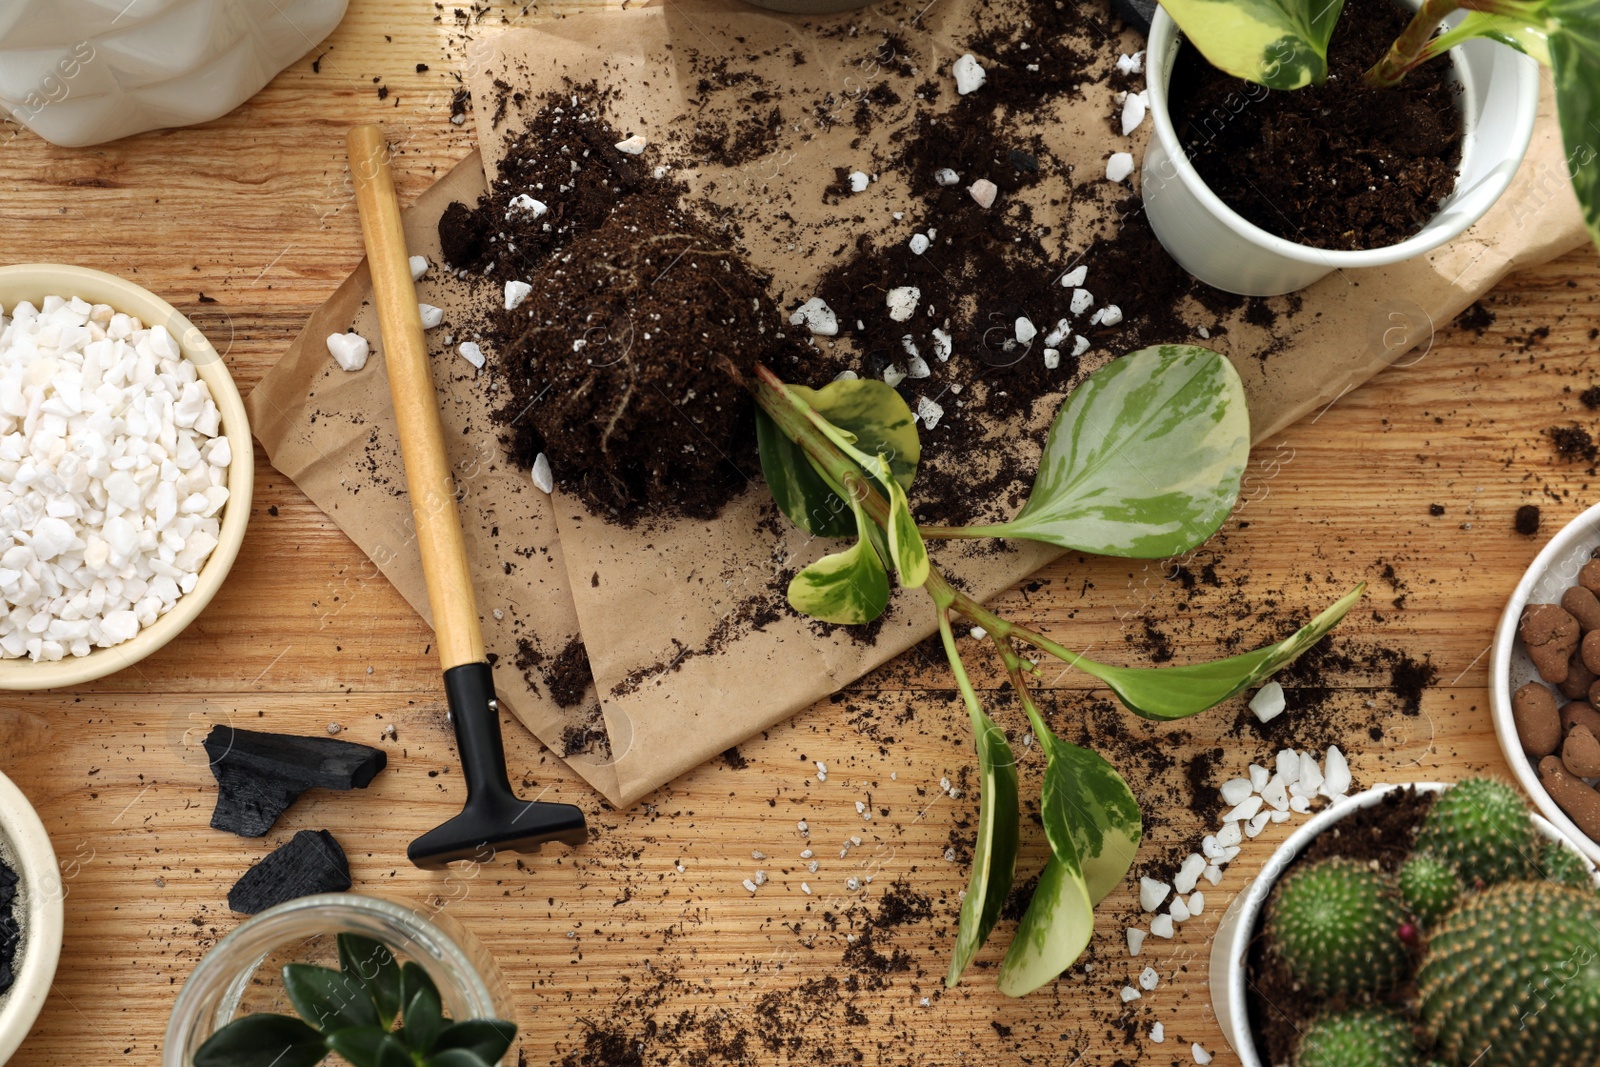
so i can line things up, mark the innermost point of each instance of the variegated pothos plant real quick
(1283, 44)
(1143, 461)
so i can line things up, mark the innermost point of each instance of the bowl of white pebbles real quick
(126, 470)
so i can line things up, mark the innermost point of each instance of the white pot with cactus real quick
(1474, 940)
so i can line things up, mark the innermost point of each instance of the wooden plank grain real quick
(253, 211)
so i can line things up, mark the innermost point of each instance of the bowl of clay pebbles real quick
(31, 900)
(1544, 681)
(1429, 925)
(126, 470)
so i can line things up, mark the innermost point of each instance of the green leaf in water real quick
(994, 856)
(422, 1014)
(262, 1041)
(360, 1045)
(1144, 458)
(1178, 692)
(328, 999)
(373, 965)
(488, 1039)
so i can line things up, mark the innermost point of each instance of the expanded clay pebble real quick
(1538, 722)
(1581, 803)
(1580, 752)
(112, 477)
(1550, 635)
(1582, 605)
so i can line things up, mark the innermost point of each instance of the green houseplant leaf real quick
(994, 856)
(1144, 458)
(262, 1041)
(1092, 821)
(849, 587)
(1282, 44)
(1178, 692)
(422, 1017)
(1574, 46)
(488, 1039)
(328, 999)
(373, 965)
(360, 1045)
(872, 416)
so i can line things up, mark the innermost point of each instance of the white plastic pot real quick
(1499, 102)
(79, 72)
(40, 906)
(1237, 928)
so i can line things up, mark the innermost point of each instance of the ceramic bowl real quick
(1553, 571)
(33, 282)
(1231, 945)
(25, 847)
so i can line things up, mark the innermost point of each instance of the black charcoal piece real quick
(260, 774)
(309, 862)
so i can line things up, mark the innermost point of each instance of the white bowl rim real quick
(59, 279)
(44, 916)
(1505, 640)
(1163, 26)
(1253, 897)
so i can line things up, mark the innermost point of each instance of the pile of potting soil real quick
(10, 927)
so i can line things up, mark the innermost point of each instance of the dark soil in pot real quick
(1338, 166)
(1279, 1010)
(10, 927)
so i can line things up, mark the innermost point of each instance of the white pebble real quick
(751, 886)
(1149, 979)
(1075, 278)
(929, 412)
(1279, 816)
(1336, 774)
(632, 145)
(431, 316)
(1130, 994)
(1234, 790)
(942, 345)
(1300, 805)
(1275, 794)
(1209, 847)
(1081, 300)
(1161, 926)
(1212, 874)
(1080, 345)
(1258, 777)
(419, 267)
(918, 244)
(1136, 938)
(1197, 902)
(902, 302)
(1152, 893)
(859, 180)
(1232, 853)
(945, 176)
(893, 375)
(1229, 835)
(1288, 765)
(1246, 809)
(968, 73)
(1052, 358)
(1268, 703)
(471, 353)
(983, 191)
(1158, 1033)
(1133, 64)
(1024, 330)
(1310, 777)
(1119, 166)
(1189, 873)
(1133, 112)
(1110, 315)
(805, 887)
(349, 350)
(917, 367)
(1257, 823)
(1201, 1056)
(523, 204)
(1179, 910)
(542, 479)
(516, 293)
(816, 316)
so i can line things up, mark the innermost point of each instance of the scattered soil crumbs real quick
(1382, 834)
(1477, 318)
(10, 927)
(569, 676)
(1573, 443)
(1338, 166)
(1527, 520)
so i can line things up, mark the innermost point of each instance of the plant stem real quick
(969, 695)
(1412, 47)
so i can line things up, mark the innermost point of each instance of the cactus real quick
(1335, 924)
(1564, 866)
(1482, 827)
(1357, 1039)
(1429, 886)
(1512, 978)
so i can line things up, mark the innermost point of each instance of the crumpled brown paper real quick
(687, 656)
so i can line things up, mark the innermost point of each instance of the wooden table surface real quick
(246, 225)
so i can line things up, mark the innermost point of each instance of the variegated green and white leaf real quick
(1574, 43)
(994, 856)
(1527, 38)
(848, 588)
(1144, 458)
(1092, 821)
(1282, 44)
(873, 418)
(905, 541)
(1178, 692)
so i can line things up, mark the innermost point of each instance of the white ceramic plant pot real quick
(1553, 571)
(26, 849)
(79, 72)
(1236, 930)
(1499, 101)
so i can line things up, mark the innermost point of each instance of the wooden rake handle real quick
(416, 406)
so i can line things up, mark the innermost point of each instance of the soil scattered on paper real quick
(1340, 165)
(1383, 835)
